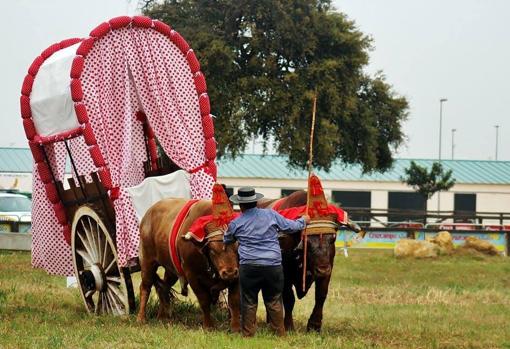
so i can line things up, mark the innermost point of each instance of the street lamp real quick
(497, 139)
(453, 140)
(441, 101)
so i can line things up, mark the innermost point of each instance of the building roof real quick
(15, 160)
(275, 166)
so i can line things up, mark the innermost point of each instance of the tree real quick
(428, 183)
(265, 60)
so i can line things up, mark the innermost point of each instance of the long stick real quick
(310, 161)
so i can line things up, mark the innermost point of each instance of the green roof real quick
(275, 166)
(15, 160)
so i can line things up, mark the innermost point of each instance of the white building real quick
(481, 186)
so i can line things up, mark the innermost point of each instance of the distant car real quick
(15, 213)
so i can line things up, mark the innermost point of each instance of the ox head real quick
(221, 256)
(320, 251)
(321, 245)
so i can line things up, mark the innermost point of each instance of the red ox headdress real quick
(222, 214)
(318, 208)
(222, 210)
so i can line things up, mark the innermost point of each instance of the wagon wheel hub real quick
(99, 278)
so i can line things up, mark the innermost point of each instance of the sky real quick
(453, 49)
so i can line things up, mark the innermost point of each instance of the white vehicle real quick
(15, 213)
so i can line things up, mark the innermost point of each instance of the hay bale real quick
(482, 246)
(416, 249)
(444, 241)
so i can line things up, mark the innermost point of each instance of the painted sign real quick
(388, 239)
(373, 239)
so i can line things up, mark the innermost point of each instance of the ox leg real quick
(234, 301)
(205, 300)
(148, 279)
(288, 303)
(163, 289)
(321, 292)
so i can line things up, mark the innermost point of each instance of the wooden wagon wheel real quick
(104, 286)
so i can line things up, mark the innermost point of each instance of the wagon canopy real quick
(99, 94)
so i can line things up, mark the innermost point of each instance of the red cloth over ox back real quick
(197, 229)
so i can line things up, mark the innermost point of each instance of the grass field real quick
(374, 301)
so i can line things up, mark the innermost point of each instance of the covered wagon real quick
(127, 103)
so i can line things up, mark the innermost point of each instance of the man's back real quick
(257, 232)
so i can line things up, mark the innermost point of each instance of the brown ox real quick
(208, 266)
(319, 264)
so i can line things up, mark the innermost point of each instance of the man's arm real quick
(229, 236)
(289, 225)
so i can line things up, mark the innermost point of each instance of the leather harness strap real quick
(319, 227)
(181, 216)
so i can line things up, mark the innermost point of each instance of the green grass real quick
(374, 301)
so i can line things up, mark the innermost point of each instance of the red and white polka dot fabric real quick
(50, 251)
(128, 69)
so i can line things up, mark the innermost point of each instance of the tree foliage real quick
(265, 60)
(428, 183)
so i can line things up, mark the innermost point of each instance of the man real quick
(260, 258)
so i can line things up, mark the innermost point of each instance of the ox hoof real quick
(313, 327)
(163, 317)
(289, 328)
(141, 320)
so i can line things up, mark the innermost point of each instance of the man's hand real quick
(306, 218)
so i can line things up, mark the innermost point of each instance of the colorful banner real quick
(388, 239)
(373, 239)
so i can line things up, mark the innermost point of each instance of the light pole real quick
(441, 101)
(453, 140)
(497, 139)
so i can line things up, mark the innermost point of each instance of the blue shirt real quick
(257, 232)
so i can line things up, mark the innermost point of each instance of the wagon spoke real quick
(90, 239)
(114, 279)
(95, 243)
(89, 293)
(85, 256)
(115, 302)
(99, 304)
(107, 269)
(99, 245)
(116, 291)
(85, 243)
(90, 234)
(103, 262)
(105, 302)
